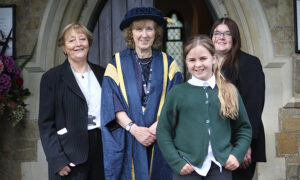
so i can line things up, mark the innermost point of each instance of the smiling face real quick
(222, 39)
(143, 35)
(76, 46)
(199, 62)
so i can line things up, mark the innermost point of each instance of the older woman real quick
(135, 84)
(245, 72)
(69, 114)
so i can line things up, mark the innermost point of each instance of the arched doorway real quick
(256, 38)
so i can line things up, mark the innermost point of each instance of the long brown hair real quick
(231, 59)
(227, 92)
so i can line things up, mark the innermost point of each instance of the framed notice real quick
(297, 25)
(7, 30)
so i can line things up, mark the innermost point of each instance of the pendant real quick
(82, 76)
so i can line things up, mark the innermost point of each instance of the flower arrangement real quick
(12, 92)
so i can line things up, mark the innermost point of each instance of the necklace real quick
(82, 76)
(146, 83)
(84, 84)
(144, 62)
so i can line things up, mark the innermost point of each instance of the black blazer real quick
(250, 81)
(63, 105)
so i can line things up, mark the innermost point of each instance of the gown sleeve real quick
(113, 136)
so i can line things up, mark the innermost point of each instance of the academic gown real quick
(124, 157)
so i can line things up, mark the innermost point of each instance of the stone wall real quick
(281, 22)
(29, 14)
(19, 144)
(297, 77)
(288, 141)
(280, 14)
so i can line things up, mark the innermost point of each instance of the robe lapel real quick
(131, 86)
(155, 88)
(157, 74)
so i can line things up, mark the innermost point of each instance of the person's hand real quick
(66, 170)
(143, 135)
(232, 163)
(152, 128)
(187, 169)
(247, 159)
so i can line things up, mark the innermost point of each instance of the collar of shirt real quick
(198, 82)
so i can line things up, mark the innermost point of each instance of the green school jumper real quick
(187, 115)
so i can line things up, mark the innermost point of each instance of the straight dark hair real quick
(231, 59)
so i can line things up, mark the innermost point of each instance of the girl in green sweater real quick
(203, 131)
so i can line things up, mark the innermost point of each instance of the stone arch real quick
(249, 16)
(57, 15)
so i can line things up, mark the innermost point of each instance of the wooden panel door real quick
(108, 38)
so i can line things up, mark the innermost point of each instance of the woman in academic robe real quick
(135, 85)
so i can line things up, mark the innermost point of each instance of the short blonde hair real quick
(127, 33)
(79, 28)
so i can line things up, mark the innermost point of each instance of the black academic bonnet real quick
(139, 13)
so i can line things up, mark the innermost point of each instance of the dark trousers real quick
(93, 168)
(213, 174)
(244, 174)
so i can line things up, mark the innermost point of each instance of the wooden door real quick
(108, 38)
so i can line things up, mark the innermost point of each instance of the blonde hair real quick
(227, 92)
(127, 33)
(79, 28)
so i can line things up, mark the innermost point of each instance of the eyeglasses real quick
(218, 34)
